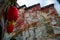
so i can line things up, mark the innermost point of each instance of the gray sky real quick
(42, 3)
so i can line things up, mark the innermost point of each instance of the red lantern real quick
(12, 13)
(10, 28)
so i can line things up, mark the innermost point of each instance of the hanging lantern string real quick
(13, 2)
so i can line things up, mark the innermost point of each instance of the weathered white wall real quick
(42, 3)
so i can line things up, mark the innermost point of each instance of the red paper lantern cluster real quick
(12, 16)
